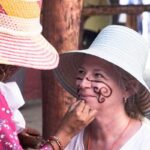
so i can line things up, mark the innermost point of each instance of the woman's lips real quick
(86, 96)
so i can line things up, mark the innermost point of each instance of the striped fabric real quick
(21, 42)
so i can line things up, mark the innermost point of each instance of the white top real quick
(139, 141)
(13, 96)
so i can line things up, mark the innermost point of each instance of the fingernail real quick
(83, 101)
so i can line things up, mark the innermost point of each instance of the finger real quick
(93, 112)
(86, 109)
(92, 115)
(80, 106)
(32, 131)
(73, 105)
(90, 120)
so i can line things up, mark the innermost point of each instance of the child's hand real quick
(30, 138)
(79, 115)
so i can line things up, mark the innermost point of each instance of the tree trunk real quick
(61, 23)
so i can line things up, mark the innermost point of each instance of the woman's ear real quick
(132, 87)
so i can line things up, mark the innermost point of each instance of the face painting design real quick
(100, 88)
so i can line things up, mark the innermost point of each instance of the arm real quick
(78, 116)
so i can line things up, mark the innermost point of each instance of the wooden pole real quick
(132, 21)
(115, 9)
(61, 23)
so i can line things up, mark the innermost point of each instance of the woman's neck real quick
(108, 126)
(108, 132)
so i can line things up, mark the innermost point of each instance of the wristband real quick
(56, 140)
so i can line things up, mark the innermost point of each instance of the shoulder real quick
(146, 126)
(144, 132)
(140, 140)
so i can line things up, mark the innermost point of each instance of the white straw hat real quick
(21, 42)
(116, 44)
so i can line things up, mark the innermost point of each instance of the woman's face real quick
(97, 82)
(6, 71)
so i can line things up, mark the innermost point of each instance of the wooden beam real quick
(115, 9)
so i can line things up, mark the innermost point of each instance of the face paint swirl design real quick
(102, 89)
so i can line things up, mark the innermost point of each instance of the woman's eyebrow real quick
(80, 67)
(99, 70)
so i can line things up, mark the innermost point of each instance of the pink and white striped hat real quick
(21, 42)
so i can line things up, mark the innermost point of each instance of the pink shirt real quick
(8, 135)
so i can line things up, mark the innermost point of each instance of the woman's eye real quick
(80, 72)
(98, 75)
(80, 75)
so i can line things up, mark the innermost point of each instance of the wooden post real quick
(132, 21)
(61, 23)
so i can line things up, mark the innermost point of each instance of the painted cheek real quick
(102, 89)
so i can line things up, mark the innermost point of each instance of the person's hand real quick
(77, 117)
(30, 138)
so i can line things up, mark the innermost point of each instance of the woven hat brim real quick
(31, 52)
(67, 69)
(118, 45)
(69, 62)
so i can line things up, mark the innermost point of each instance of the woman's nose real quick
(85, 83)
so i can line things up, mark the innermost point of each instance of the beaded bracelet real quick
(56, 140)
